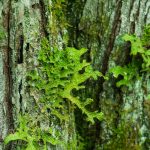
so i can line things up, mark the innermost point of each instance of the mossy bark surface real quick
(99, 26)
(93, 24)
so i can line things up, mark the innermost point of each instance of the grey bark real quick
(96, 25)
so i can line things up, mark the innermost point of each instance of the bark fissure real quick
(138, 11)
(115, 31)
(8, 76)
(20, 95)
(44, 19)
(131, 7)
(20, 50)
(98, 26)
(7, 71)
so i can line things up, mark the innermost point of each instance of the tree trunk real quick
(99, 25)
(93, 24)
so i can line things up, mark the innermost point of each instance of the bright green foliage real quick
(137, 47)
(59, 73)
(30, 133)
(138, 50)
(136, 44)
(146, 36)
(127, 72)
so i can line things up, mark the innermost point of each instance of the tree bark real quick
(96, 25)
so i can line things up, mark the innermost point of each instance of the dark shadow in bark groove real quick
(44, 19)
(115, 31)
(8, 75)
(20, 50)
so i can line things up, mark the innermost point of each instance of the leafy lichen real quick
(58, 74)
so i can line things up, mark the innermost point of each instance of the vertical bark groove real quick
(96, 25)
(8, 76)
(44, 18)
(7, 70)
(114, 32)
(20, 50)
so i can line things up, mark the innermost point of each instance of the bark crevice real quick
(105, 61)
(8, 75)
(20, 50)
(44, 19)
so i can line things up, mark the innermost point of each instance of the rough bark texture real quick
(94, 24)
(98, 25)
(23, 24)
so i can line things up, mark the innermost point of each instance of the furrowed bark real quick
(96, 25)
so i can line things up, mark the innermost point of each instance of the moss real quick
(52, 84)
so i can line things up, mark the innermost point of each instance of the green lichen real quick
(140, 59)
(53, 83)
(58, 74)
